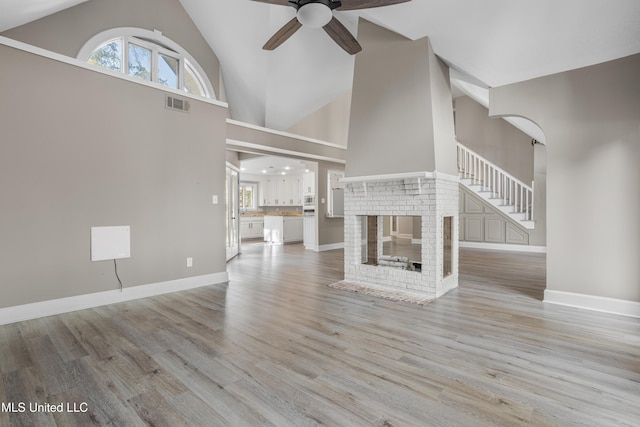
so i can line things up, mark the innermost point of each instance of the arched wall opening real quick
(537, 236)
(590, 119)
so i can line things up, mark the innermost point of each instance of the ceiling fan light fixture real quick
(314, 15)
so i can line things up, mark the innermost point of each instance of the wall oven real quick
(309, 202)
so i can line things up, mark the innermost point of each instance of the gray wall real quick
(538, 236)
(330, 123)
(330, 230)
(591, 118)
(82, 149)
(494, 139)
(232, 158)
(444, 134)
(66, 32)
(401, 107)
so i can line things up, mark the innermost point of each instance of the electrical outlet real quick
(189, 262)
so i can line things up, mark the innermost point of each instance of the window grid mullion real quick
(155, 63)
(126, 56)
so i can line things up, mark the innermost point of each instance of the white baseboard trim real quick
(595, 303)
(503, 247)
(416, 241)
(36, 310)
(330, 247)
(385, 239)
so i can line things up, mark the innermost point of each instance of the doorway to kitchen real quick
(277, 199)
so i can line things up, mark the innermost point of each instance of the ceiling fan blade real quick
(282, 34)
(366, 4)
(342, 36)
(278, 2)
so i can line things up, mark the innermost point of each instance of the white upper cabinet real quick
(283, 190)
(308, 183)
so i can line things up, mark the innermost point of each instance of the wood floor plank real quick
(291, 390)
(18, 357)
(105, 404)
(4, 415)
(154, 410)
(279, 413)
(276, 346)
(231, 410)
(56, 374)
(194, 411)
(65, 342)
(23, 386)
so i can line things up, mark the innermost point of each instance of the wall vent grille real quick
(177, 104)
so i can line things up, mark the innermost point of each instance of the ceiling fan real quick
(319, 14)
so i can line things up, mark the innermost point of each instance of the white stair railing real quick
(501, 185)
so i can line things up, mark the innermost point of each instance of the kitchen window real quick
(248, 196)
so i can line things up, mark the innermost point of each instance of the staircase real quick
(507, 193)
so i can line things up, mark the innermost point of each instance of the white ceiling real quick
(489, 43)
(273, 165)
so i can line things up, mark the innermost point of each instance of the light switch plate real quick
(214, 198)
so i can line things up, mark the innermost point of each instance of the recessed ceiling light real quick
(264, 171)
(284, 173)
(287, 168)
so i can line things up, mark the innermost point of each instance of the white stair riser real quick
(519, 217)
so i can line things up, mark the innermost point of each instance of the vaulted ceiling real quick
(487, 43)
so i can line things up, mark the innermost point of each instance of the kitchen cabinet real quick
(309, 232)
(281, 191)
(293, 231)
(269, 191)
(251, 227)
(292, 191)
(282, 229)
(309, 183)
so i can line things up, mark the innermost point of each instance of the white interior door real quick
(233, 212)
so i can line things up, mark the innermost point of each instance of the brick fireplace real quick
(401, 162)
(431, 196)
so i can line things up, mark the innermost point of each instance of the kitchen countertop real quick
(275, 213)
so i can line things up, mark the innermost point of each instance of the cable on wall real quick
(115, 265)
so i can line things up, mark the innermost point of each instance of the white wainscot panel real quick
(471, 205)
(494, 230)
(516, 236)
(473, 229)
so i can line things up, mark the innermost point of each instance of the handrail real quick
(501, 184)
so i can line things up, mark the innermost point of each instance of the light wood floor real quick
(278, 347)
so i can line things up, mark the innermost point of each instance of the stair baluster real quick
(500, 184)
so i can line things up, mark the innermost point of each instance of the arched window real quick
(147, 55)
